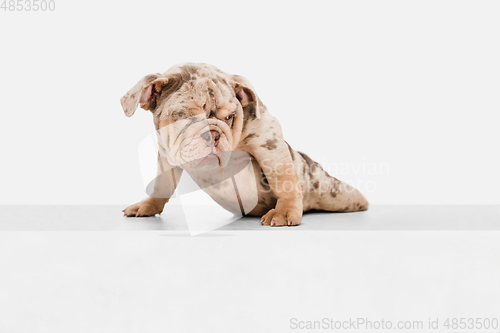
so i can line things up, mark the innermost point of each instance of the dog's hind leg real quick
(323, 192)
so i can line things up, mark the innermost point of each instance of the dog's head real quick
(197, 110)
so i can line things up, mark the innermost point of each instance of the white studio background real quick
(404, 94)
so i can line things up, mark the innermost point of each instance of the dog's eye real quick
(229, 117)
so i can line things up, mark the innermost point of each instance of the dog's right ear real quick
(146, 93)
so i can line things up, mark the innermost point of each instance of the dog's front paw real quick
(282, 217)
(148, 207)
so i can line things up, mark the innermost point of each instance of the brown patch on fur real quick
(270, 144)
(316, 184)
(249, 137)
(211, 92)
(314, 167)
(250, 114)
(306, 158)
(335, 187)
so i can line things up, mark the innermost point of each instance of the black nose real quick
(211, 135)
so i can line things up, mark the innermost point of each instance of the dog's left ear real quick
(246, 93)
(146, 92)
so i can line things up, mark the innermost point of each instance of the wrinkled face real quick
(199, 124)
(197, 110)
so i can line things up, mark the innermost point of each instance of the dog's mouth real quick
(197, 143)
(213, 159)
